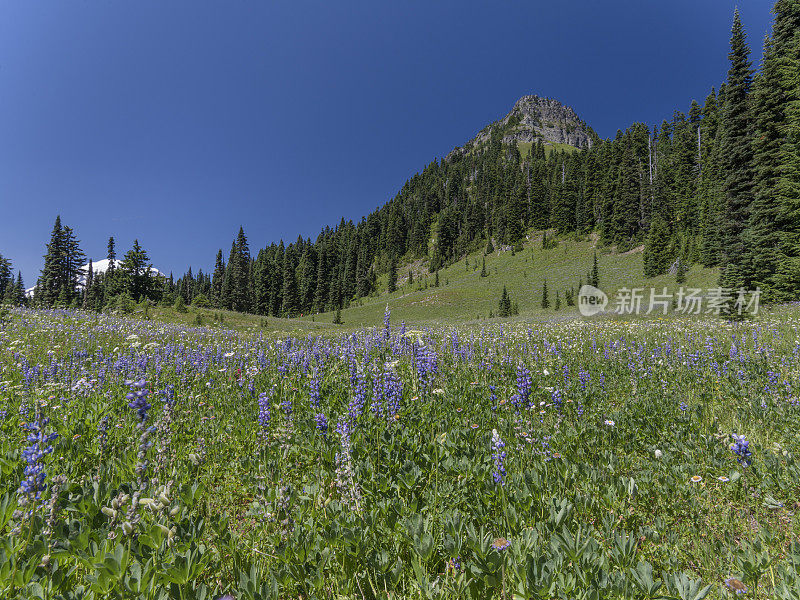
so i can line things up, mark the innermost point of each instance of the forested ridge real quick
(718, 185)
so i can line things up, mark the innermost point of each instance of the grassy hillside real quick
(212, 317)
(463, 295)
(525, 148)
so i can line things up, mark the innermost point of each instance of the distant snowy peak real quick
(101, 266)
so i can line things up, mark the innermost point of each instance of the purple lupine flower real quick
(315, 393)
(499, 457)
(288, 410)
(138, 400)
(558, 398)
(493, 397)
(33, 483)
(583, 377)
(523, 384)
(741, 448)
(356, 406)
(393, 392)
(322, 423)
(168, 393)
(427, 363)
(387, 327)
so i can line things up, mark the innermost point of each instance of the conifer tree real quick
(276, 282)
(504, 307)
(229, 280)
(622, 228)
(6, 279)
(545, 299)
(737, 159)
(110, 280)
(775, 246)
(135, 271)
(51, 279)
(237, 273)
(321, 292)
(656, 257)
(308, 278)
(217, 281)
(20, 299)
(680, 275)
(72, 265)
(290, 300)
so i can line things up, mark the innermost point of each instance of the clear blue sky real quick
(176, 121)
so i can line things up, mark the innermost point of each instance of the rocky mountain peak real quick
(535, 118)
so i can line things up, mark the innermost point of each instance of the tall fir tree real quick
(217, 280)
(787, 46)
(290, 300)
(50, 283)
(545, 297)
(656, 257)
(135, 272)
(737, 159)
(6, 276)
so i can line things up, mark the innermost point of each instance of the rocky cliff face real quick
(534, 118)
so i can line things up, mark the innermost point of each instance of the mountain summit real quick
(533, 119)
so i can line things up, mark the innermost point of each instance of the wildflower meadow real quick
(569, 459)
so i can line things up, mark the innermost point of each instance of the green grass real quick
(463, 296)
(235, 320)
(549, 147)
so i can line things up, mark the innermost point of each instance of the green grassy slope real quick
(525, 148)
(209, 317)
(464, 296)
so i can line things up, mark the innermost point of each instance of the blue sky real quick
(176, 121)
